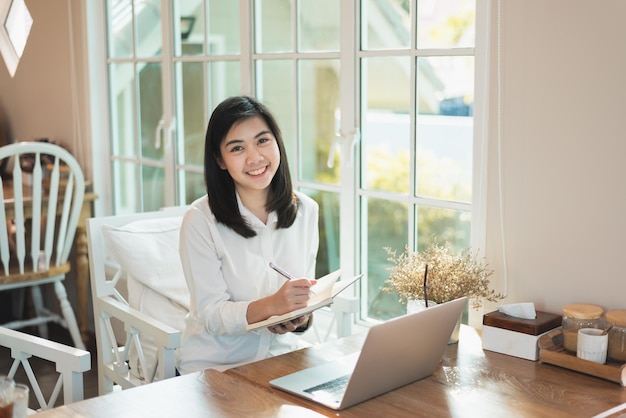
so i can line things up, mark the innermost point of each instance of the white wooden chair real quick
(37, 229)
(70, 363)
(142, 251)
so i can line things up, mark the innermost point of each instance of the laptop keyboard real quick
(334, 387)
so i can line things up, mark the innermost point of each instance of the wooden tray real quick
(551, 351)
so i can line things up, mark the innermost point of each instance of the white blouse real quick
(225, 272)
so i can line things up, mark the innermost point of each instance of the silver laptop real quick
(395, 353)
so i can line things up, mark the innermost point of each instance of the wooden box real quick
(517, 337)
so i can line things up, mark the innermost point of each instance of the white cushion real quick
(148, 251)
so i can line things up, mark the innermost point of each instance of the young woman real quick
(250, 217)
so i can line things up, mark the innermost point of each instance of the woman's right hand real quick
(293, 294)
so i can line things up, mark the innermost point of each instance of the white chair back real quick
(39, 214)
(50, 194)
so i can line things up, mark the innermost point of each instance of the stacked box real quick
(517, 337)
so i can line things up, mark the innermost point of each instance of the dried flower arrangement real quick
(448, 276)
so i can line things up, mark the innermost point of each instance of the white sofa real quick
(138, 290)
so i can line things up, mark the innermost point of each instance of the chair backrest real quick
(115, 362)
(48, 189)
(69, 362)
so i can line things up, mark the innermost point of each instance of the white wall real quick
(563, 153)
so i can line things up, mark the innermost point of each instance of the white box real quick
(517, 336)
(511, 342)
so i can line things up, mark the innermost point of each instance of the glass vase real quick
(416, 305)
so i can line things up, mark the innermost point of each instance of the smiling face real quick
(250, 154)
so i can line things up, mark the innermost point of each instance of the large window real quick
(375, 99)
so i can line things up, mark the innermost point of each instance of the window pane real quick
(443, 225)
(328, 253)
(224, 79)
(385, 139)
(446, 24)
(444, 157)
(188, 27)
(150, 109)
(123, 129)
(153, 188)
(191, 186)
(120, 28)
(385, 24)
(319, 106)
(275, 90)
(219, 36)
(445, 86)
(318, 26)
(444, 131)
(149, 40)
(125, 187)
(223, 27)
(191, 112)
(385, 225)
(273, 22)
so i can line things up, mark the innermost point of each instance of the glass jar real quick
(579, 316)
(617, 335)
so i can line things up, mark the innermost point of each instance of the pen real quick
(284, 273)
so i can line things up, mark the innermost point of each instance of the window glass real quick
(148, 28)
(150, 98)
(446, 24)
(191, 112)
(206, 27)
(224, 80)
(329, 224)
(386, 24)
(386, 124)
(384, 225)
(318, 28)
(152, 187)
(444, 157)
(444, 131)
(273, 25)
(120, 28)
(189, 24)
(224, 28)
(442, 225)
(125, 187)
(318, 83)
(122, 99)
(192, 186)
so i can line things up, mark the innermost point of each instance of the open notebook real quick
(322, 294)
(395, 353)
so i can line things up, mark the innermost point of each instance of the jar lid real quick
(582, 311)
(617, 317)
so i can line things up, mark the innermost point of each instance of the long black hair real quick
(220, 186)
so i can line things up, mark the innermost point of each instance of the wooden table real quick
(81, 261)
(470, 382)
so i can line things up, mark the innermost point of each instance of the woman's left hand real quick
(289, 326)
